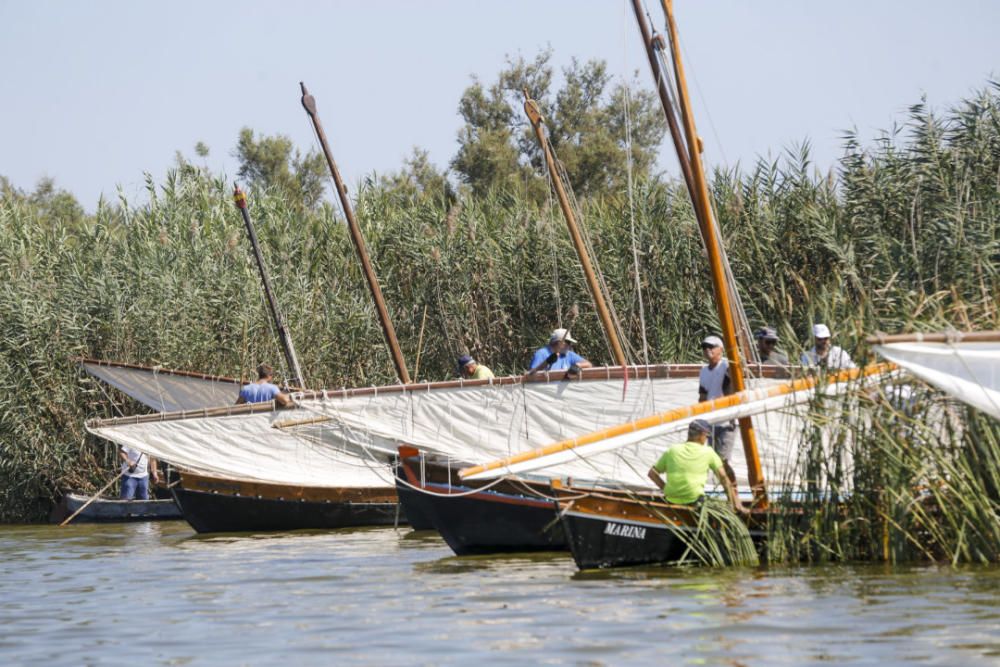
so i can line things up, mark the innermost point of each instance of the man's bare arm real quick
(734, 499)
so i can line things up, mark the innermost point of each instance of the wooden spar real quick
(535, 116)
(309, 104)
(694, 146)
(938, 337)
(699, 197)
(677, 414)
(297, 380)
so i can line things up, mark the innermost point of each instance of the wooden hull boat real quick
(606, 531)
(213, 504)
(479, 518)
(112, 510)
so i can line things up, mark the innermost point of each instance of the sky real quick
(97, 93)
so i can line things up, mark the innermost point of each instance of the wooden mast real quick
(699, 194)
(297, 380)
(309, 104)
(535, 116)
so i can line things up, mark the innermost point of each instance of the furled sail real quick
(966, 366)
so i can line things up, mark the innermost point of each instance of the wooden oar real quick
(92, 499)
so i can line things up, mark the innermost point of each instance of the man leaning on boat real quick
(263, 390)
(686, 467)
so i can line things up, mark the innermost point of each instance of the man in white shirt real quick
(136, 469)
(714, 382)
(825, 355)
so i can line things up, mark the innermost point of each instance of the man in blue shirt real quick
(263, 390)
(558, 355)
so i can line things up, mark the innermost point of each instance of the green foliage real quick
(586, 121)
(274, 162)
(889, 480)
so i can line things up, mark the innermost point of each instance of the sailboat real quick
(607, 527)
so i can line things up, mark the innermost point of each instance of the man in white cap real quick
(824, 355)
(714, 382)
(558, 355)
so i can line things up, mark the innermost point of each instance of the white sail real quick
(778, 411)
(330, 435)
(165, 390)
(967, 370)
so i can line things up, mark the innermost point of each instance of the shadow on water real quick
(451, 565)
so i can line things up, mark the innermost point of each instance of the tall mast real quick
(694, 145)
(297, 379)
(309, 104)
(535, 116)
(698, 187)
(707, 228)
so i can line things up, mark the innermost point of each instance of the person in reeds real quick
(767, 348)
(263, 390)
(470, 369)
(825, 355)
(686, 467)
(558, 355)
(136, 470)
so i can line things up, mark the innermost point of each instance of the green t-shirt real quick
(686, 467)
(482, 373)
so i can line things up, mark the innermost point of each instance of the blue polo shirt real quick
(561, 364)
(259, 393)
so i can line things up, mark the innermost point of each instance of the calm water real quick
(158, 594)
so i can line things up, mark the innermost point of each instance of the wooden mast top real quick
(535, 116)
(309, 104)
(698, 187)
(292, 359)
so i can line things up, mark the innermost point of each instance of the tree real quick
(274, 162)
(586, 121)
(418, 179)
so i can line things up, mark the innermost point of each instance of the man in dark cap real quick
(767, 348)
(470, 369)
(686, 467)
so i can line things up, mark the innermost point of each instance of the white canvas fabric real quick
(165, 391)
(346, 441)
(969, 371)
(779, 417)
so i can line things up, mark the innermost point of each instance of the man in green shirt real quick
(473, 370)
(686, 467)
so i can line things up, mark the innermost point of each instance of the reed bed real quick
(904, 236)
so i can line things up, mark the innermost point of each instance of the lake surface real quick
(158, 594)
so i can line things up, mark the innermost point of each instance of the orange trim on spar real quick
(676, 414)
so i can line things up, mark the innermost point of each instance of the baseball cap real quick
(821, 331)
(561, 334)
(464, 361)
(767, 333)
(711, 341)
(699, 426)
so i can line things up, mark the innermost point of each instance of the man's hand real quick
(156, 477)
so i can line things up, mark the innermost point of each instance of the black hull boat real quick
(112, 510)
(213, 505)
(479, 518)
(605, 531)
